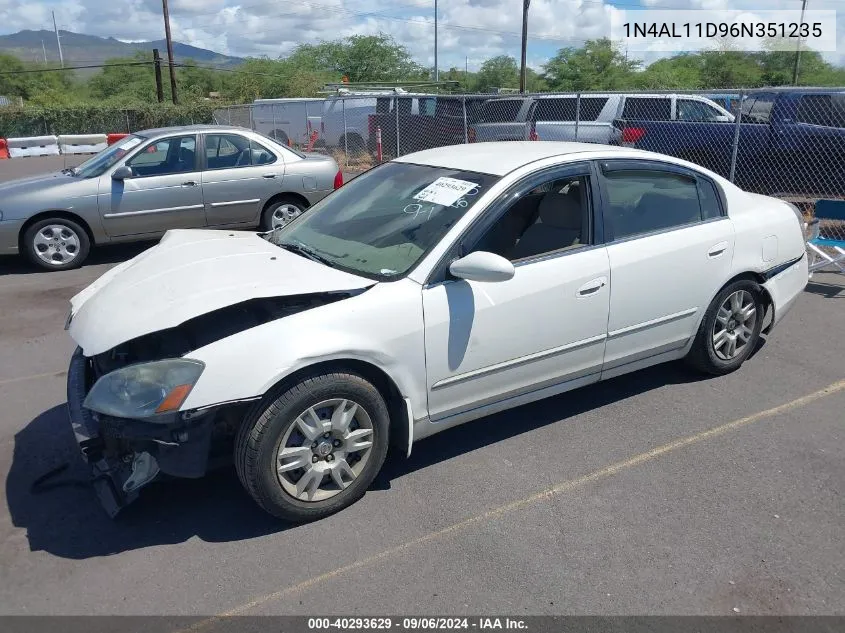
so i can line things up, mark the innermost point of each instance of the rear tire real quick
(287, 450)
(730, 330)
(56, 243)
(353, 143)
(281, 212)
(280, 137)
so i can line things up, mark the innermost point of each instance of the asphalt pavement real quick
(657, 493)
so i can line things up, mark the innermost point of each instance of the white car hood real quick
(189, 273)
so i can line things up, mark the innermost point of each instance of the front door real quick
(239, 176)
(163, 193)
(670, 246)
(541, 331)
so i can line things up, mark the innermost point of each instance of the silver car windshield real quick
(383, 222)
(96, 165)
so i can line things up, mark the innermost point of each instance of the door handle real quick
(269, 176)
(592, 287)
(190, 183)
(717, 250)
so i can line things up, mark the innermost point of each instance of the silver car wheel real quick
(324, 450)
(284, 214)
(734, 326)
(56, 244)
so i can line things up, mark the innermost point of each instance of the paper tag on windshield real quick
(129, 143)
(445, 191)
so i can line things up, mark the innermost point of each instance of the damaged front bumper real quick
(125, 454)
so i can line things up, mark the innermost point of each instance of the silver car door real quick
(238, 178)
(162, 193)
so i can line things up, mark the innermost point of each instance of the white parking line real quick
(554, 491)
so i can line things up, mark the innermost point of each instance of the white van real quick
(287, 119)
(346, 115)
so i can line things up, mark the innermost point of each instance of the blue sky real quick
(472, 30)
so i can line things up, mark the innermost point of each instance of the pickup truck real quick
(553, 117)
(791, 142)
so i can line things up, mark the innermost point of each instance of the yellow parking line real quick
(560, 488)
(51, 374)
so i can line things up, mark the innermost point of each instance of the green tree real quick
(498, 72)
(678, 72)
(598, 65)
(38, 87)
(360, 58)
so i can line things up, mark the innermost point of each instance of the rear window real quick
(564, 109)
(827, 110)
(500, 111)
(647, 108)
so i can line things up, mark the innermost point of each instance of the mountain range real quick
(79, 49)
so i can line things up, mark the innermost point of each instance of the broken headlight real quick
(146, 389)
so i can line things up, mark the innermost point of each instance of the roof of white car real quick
(500, 158)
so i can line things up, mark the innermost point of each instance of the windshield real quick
(96, 165)
(381, 223)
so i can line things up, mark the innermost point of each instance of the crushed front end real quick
(127, 454)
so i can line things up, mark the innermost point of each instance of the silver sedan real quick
(156, 180)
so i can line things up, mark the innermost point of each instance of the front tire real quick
(730, 329)
(315, 449)
(56, 244)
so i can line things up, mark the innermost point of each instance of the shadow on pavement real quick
(107, 254)
(66, 520)
(829, 291)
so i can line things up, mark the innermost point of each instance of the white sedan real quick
(432, 290)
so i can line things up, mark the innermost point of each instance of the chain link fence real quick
(788, 143)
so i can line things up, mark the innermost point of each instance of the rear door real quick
(238, 178)
(670, 245)
(163, 193)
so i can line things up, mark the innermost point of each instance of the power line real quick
(52, 70)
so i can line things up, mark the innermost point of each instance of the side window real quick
(555, 109)
(551, 217)
(647, 108)
(761, 110)
(260, 154)
(746, 106)
(645, 200)
(427, 107)
(711, 206)
(815, 110)
(690, 110)
(224, 151)
(167, 156)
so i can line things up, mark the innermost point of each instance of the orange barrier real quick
(114, 138)
(4, 148)
(311, 141)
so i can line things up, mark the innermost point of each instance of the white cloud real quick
(474, 29)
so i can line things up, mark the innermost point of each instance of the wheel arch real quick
(765, 297)
(55, 213)
(401, 419)
(285, 195)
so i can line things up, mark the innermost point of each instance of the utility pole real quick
(436, 67)
(169, 50)
(157, 66)
(44, 50)
(798, 47)
(58, 40)
(525, 4)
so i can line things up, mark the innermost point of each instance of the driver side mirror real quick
(482, 266)
(122, 173)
